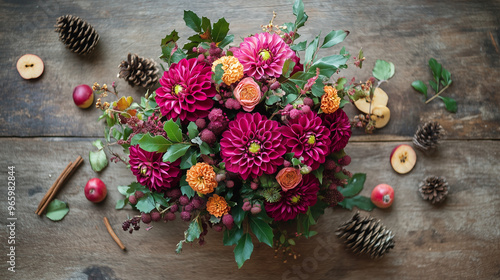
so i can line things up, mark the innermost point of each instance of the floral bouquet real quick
(246, 140)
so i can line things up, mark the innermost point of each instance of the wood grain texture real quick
(457, 240)
(462, 35)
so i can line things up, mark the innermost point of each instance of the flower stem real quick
(437, 94)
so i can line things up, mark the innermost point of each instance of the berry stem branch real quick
(437, 94)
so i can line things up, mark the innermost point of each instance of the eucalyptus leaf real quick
(420, 87)
(383, 70)
(120, 204)
(449, 103)
(272, 100)
(57, 210)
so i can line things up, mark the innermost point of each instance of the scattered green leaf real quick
(383, 70)
(57, 210)
(449, 103)
(420, 87)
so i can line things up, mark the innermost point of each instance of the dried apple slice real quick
(30, 66)
(403, 159)
(379, 98)
(381, 115)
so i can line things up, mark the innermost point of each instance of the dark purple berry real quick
(155, 216)
(169, 216)
(174, 208)
(228, 221)
(139, 194)
(146, 218)
(185, 216)
(184, 200)
(217, 227)
(132, 199)
(188, 207)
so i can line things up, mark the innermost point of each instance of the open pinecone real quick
(434, 189)
(427, 136)
(78, 35)
(366, 235)
(139, 71)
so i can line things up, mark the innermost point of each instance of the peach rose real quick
(248, 94)
(288, 178)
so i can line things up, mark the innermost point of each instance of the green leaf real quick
(106, 134)
(420, 87)
(238, 214)
(146, 203)
(232, 236)
(340, 83)
(436, 69)
(205, 25)
(329, 64)
(449, 103)
(160, 199)
(362, 202)
(188, 191)
(57, 210)
(193, 231)
(334, 37)
(205, 149)
(319, 173)
(157, 143)
(383, 70)
(343, 102)
(243, 250)
(189, 159)
(434, 86)
(120, 204)
(123, 190)
(218, 74)
(192, 21)
(318, 87)
(175, 152)
(290, 98)
(296, 161)
(226, 41)
(446, 76)
(298, 11)
(354, 185)
(262, 231)
(272, 100)
(220, 30)
(174, 132)
(192, 130)
(135, 139)
(311, 50)
(287, 68)
(291, 242)
(299, 47)
(98, 160)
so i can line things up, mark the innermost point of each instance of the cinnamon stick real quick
(51, 189)
(59, 183)
(113, 234)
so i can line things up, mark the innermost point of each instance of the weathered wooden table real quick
(42, 130)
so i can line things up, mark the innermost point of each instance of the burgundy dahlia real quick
(340, 129)
(150, 169)
(295, 201)
(186, 91)
(306, 137)
(263, 55)
(252, 145)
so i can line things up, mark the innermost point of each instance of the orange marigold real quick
(233, 69)
(330, 101)
(201, 178)
(217, 206)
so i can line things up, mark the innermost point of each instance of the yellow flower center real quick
(177, 89)
(254, 148)
(296, 199)
(144, 170)
(265, 54)
(311, 140)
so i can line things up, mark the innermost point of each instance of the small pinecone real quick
(434, 189)
(427, 136)
(139, 71)
(78, 35)
(366, 235)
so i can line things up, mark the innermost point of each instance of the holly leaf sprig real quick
(441, 77)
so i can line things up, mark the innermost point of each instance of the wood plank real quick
(459, 239)
(463, 36)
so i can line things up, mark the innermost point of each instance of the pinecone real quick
(366, 235)
(78, 35)
(427, 136)
(139, 71)
(434, 189)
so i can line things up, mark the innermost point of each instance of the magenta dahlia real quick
(306, 137)
(252, 145)
(186, 91)
(150, 169)
(295, 201)
(263, 54)
(340, 129)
